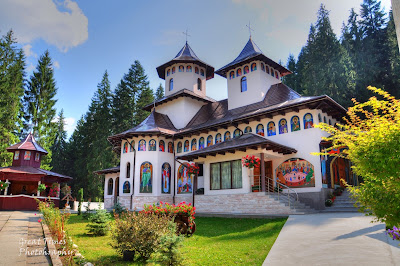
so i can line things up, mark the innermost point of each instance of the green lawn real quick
(216, 241)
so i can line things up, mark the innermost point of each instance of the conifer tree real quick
(40, 105)
(159, 92)
(291, 80)
(59, 146)
(392, 83)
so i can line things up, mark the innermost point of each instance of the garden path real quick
(333, 239)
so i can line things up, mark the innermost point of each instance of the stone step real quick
(340, 209)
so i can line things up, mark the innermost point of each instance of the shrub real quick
(328, 203)
(87, 213)
(99, 223)
(394, 233)
(167, 252)
(118, 208)
(80, 199)
(139, 233)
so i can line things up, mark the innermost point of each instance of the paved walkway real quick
(333, 239)
(20, 238)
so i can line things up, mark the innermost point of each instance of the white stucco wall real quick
(185, 80)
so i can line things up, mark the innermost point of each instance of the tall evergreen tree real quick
(59, 146)
(40, 103)
(159, 92)
(291, 80)
(12, 74)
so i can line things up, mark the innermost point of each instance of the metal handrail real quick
(288, 188)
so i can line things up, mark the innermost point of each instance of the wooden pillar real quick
(38, 192)
(262, 172)
(6, 190)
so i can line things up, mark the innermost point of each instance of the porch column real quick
(38, 192)
(6, 190)
(59, 188)
(262, 172)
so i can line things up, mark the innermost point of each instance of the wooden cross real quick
(186, 33)
(250, 29)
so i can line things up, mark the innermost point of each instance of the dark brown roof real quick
(186, 55)
(250, 53)
(29, 143)
(31, 170)
(241, 143)
(181, 93)
(108, 171)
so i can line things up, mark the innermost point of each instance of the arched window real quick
(209, 141)
(110, 186)
(196, 70)
(168, 72)
(189, 69)
(267, 69)
(161, 146)
(272, 72)
(330, 123)
(181, 68)
(146, 175)
(127, 187)
(238, 72)
(218, 138)
(237, 133)
(186, 147)
(165, 178)
(319, 118)
(128, 170)
(246, 70)
(152, 145)
(253, 67)
(295, 123)
(232, 75)
(37, 157)
(125, 150)
(194, 144)
(173, 70)
(142, 145)
(171, 84)
(27, 155)
(271, 130)
(325, 119)
(179, 148)
(248, 129)
(227, 136)
(202, 72)
(283, 126)
(132, 146)
(170, 147)
(308, 121)
(262, 67)
(201, 143)
(260, 130)
(199, 84)
(243, 84)
(276, 74)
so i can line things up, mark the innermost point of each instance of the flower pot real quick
(128, 255)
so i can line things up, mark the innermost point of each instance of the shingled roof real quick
(249, 53)
(186, 55)
(18, 170)
(108, 171)
(29, 143)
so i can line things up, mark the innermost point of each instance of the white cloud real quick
(70, 125)
(56, 64)
(28, 51)
(62, 24)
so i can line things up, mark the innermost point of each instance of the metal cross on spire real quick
(250, 29)
(187, 34)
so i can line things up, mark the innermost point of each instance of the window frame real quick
(220, 174)
(243, 80)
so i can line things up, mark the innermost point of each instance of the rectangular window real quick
(27, 155)
(226, 175)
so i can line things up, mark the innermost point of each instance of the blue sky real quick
(85, 38)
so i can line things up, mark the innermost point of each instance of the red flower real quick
(40, 220)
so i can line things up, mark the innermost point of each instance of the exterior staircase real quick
(343, 203)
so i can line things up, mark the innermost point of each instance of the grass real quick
(216, 241)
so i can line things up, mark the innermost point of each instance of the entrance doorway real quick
(269, 180)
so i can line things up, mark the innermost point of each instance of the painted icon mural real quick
(236, 133)
(295, 123)
(126, 188)
(170, 147)
(142, 145)
(16, 155)
(260, 129)
(189, 69)
(161, 146)
(27, 155)
(165, 178)
(248, 129)
(218, 138)
(276, 74)
(271, 130)
(168, 72)
(209, 141)
(184, 179)
(37, 157)
(146, 174)
(125, 150)
(179, 148)
(194, 145)
(296, 172)
(262, 67)
(267, 69)
(246, 70)
(186, 147)
(173, 70)
(181, 68)
(238, 72)
(202, 72)
(201, 143)
(152, 145)
(196, 70)
(132, 146)
(231, 75)
(308, 121)
(283, 126)
(227, 136)
(253, 66)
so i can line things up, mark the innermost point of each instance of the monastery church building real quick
(261, 117)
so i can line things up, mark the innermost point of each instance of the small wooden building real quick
(25, 176)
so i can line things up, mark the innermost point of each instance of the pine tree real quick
(291, 80)
(159, 92)
(59, 146)
(40, 105)
(12, 74)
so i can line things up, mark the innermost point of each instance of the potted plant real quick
(54, 190)
(250, 162)
(41, 188)
(3, 185)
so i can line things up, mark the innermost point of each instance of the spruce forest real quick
(342, 67)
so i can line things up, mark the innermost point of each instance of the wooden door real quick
(269, 176)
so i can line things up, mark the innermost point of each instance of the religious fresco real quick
(248, 129)
(194, 145)
(27, 155)
(168, 72)
(132, 146)
(267, 69)
(173, 70)
(165, 178)
(260, 130)
(146, 174)
(125, 150)
(186, 147)
(37, 157)
(201, 143)
(295, 123)
(238, 72)
(170, 147)
(189, 69)
(227, 136)
(161, 146)
(296, 173)
(236, 133)
(16, 155)
(271, 130)
(218, 138)
(262, 67)
(152, 145)
(246, 70)
(253, 67)
(179, 148)
(181, 69)
(126, 188)
(196, 70)
(209, 141)
(202, 72)
(272, 72)
(232, 75)
(283, 126)
(142, 145)
(184, 180)
(308, 121)
(277, 74)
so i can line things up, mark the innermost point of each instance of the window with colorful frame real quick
(16, 155)
(110, 186)
(308, 121)
(196, 70)
(27, 155)
(218, 138)
(146, 178)
(186, 146)
(170, 147)
(161, 146)
(181, 68)
(262, 67)
(246, 70)
(168, 72)
(152, 145)
(37, 157)
(179, 147)
(271, 130)
(173, 70)
(193, 145)
(209, 141)
(132, 146)
(125, 149)
(295, 123)
(126, 187)
(260, 130)
(166, 178)
(171, 84)
(248, 129)
(202, 72)
(283, 128)
(253, 67)
(189, 69)
(238, 72)
(243, 84)
(142, 145)
(227, 135)
(237, 133)
(128, 170)
(232, 75)
(201, 143)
